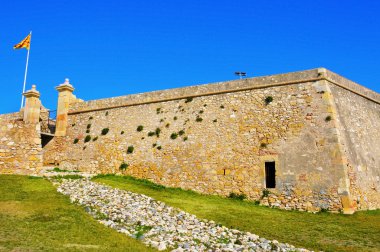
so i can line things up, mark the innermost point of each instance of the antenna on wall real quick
(241, 74)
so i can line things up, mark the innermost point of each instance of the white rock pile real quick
(159, 225)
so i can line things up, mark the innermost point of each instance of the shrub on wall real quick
(157, 132)
(105, 131)
(130, 149)
(151, 133)
(88, 125)
(181, 132)
(268, 99)
(122, 132)
(265, 193)
(76, 140)
(140, 128)
(107, 113)
(90, 118)
(237, 196)
(94, 139)
(87, 139)
(263, 145)
(189, 99)
(199, 119)
(328, 118)
(123, 166)
(173, 135)
(88, 131)
(159, 147)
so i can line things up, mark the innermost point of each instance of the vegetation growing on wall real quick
(87, 139)
(123, 166)
(189, 99)
(76, 140)
(328, 118)
(105, 131)
(140, 128)
(130, 149)
(268, 99)
(174, 135)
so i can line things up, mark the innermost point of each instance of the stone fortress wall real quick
(219, 138)
(20, 145)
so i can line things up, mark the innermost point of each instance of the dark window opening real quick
(224, 171)
(270, 174)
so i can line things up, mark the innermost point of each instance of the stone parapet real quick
(224, 87)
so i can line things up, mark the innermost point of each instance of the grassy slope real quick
(324, 231)
(34, 217)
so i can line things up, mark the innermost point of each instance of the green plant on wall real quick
(130, 149)
(88, 125)
(263, 145)
(151, 133)
(87, 139)
(268, 99)
(94, 139)
(265, 193)
(123, 166)
(122, 132)
(173, 135)
(157, 132)
(140, 128)
(181, 132)
(90, 118)
(76, 140)
(199, 119)
(328, 118)
(189, 99)
(107, 113)
(105, 131)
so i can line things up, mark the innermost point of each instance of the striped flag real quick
(25, 43)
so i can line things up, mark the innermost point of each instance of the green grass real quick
(323, 231)
(34, 217)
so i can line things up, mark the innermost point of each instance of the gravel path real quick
(159, 225)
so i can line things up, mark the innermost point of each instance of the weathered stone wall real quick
(222, 151)
(216, 138)
(359, 126)
(20, 145)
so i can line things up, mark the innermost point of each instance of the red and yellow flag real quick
(25, 43)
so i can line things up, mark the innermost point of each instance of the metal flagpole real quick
(26, 70)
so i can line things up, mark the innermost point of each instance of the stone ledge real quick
(224, 87)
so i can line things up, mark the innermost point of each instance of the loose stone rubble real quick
(159, 225)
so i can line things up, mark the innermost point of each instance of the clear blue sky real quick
(112, 48)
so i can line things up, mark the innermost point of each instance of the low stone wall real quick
(20, 145)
